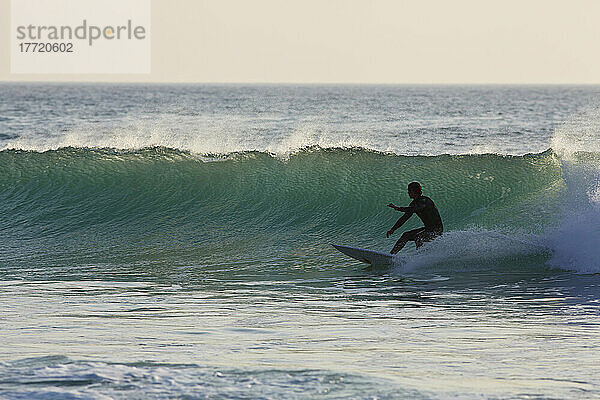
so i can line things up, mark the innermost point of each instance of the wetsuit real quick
(426, 210)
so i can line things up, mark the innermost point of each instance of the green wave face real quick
(79, 206)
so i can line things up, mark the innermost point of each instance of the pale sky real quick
(362, 41)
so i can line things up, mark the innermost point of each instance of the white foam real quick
(472, 249)
(201, 135)
(575, 242)
(311, 133)
(580, 133)
(31, 379)
(231, 133)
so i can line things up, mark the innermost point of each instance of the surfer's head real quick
(414, 190)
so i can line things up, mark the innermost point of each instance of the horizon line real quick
(314, 83)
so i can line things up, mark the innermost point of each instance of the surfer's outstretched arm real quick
(413, 208)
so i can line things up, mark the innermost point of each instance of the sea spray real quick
(476, 249)
(576, 241)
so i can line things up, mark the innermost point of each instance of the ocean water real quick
(173, 241)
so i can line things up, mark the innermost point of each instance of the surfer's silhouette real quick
(425, 209)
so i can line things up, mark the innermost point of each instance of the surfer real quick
(425, 209)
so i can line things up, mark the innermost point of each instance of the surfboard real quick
(373, 257)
